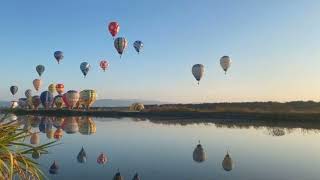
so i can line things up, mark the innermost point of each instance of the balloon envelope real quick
(85, 67)
(46, 98)
(58, 101)
(72, 97)
(225, 63)
(37, 84)
(198, 71)
(120, 44)
(58, 55)
(36, 101)
(52, 88)
(87, 97)
(113, 28)
(138, 45)
(40, 69)
(60, 88)
(82, 156)
(28, 93)
(13, 90)
(104, 65)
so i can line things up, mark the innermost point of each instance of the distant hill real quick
(123, 102)
(4, 103)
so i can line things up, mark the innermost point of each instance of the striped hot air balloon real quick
(46, 98)
(87, 98)
(58, 101)
(120, 44)
(72, 98)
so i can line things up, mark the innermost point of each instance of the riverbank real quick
(267, 116)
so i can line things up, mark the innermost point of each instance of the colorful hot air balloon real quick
(102, 159)
(85, 67)
(13, 90)
(58, 101)
(138, 45)
(82, 156)
(35, 138)
(225, 63)
(58, 55)
(72, 97)
(70, 125)
(198, 71)
(28, 93)
(104, 64)
(60, 88)
(22, 102)
(113, 28)
(120, 44)
(58, 134)
(87, 97)
(87, 126)
(40, 69)
(199, 154)
(46, 98)
(36, 101)
(37, 84)
(54, 168)
(52, 88)
(136, 107)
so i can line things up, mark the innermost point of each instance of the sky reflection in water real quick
(165, 151)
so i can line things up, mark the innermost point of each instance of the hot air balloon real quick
(71, 98)
(58, 55)
(87, 97)
(85, 67)
(87, 126)
(60, 88)
(36, 101)
(117, 176)
(102, 159)
(46, 99)
(138, 45)
(35, 154)
(40, 69)
(82, 156)
(104, 64)
(120, 44)
(28, 93)
(58, 101)
(54, 168)
(198, 154)
(136, 107)
(227, 163)
(13, 90)
(22, 102)
(37, 84)
(113, 28)
(136, 177)
(57, 123)
(58, 134)
(52, 88)
(70, 126)
(35, 138)
(14, 104)
(198, 71)
(225, 63)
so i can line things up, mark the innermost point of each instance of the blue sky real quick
(274, 46)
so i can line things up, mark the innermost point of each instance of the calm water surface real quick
(164, 150)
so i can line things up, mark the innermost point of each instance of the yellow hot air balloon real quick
(136, 107)
(52, 88)
(87, 126)
(50, 133)
(37, 84)
(87, 98)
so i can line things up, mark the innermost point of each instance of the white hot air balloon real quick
(225, 63)
(198, 71)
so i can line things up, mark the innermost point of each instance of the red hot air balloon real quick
(60, 88)
(113, 28)
(104, 65)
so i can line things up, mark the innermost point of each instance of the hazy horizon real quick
(273, 46)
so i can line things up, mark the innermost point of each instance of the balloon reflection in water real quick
(87, 126)
(136, 177)
(227, 163)
(199, 154)
(58, 134)
(117, 176)
(35, 138)
(102, 159)
(82, 156)
(57, 122)
(54, 168)
(70, 125)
